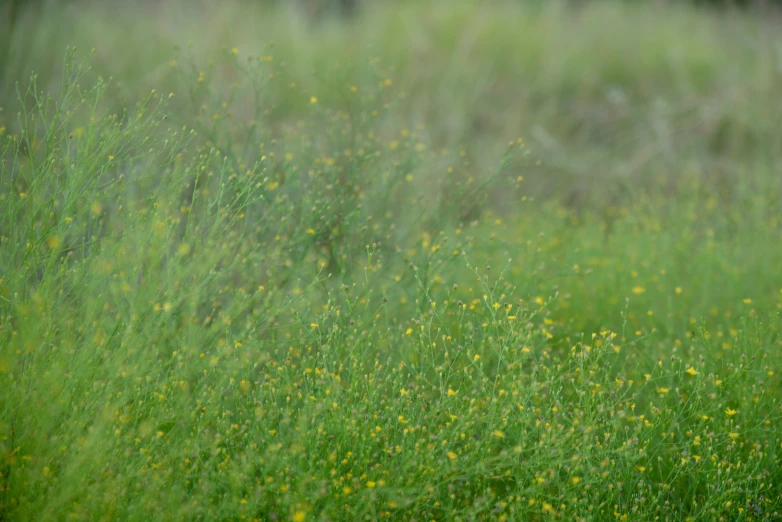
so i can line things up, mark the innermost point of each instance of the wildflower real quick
(313, 100)
(452, 455)
(638, 290)
(451, 393)
(54, 242)
(235, 51)
(730, 413)
(692, 371)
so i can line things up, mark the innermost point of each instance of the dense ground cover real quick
(441, 262)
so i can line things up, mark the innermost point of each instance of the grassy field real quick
(450, 261)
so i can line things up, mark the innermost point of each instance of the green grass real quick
(436, 262)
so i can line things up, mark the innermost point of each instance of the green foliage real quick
(267, 291)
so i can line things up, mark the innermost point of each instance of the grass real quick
(298, 271)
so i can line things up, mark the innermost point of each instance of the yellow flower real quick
(452, 455)
(575, 480)
(313, 100)
(54, 242)
(451, 393)
(692, 371)
(730, 413)
(499, 434)
(638, 290)
(299, 516)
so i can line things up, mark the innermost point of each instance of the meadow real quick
(435, 261)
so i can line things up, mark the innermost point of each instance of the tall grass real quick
(263, 291)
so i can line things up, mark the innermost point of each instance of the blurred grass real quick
(609, 95)
(232, 235)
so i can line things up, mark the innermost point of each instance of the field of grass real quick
(438, 261)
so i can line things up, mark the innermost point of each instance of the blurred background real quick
(612, 97)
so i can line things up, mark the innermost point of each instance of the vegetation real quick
(432, 263)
